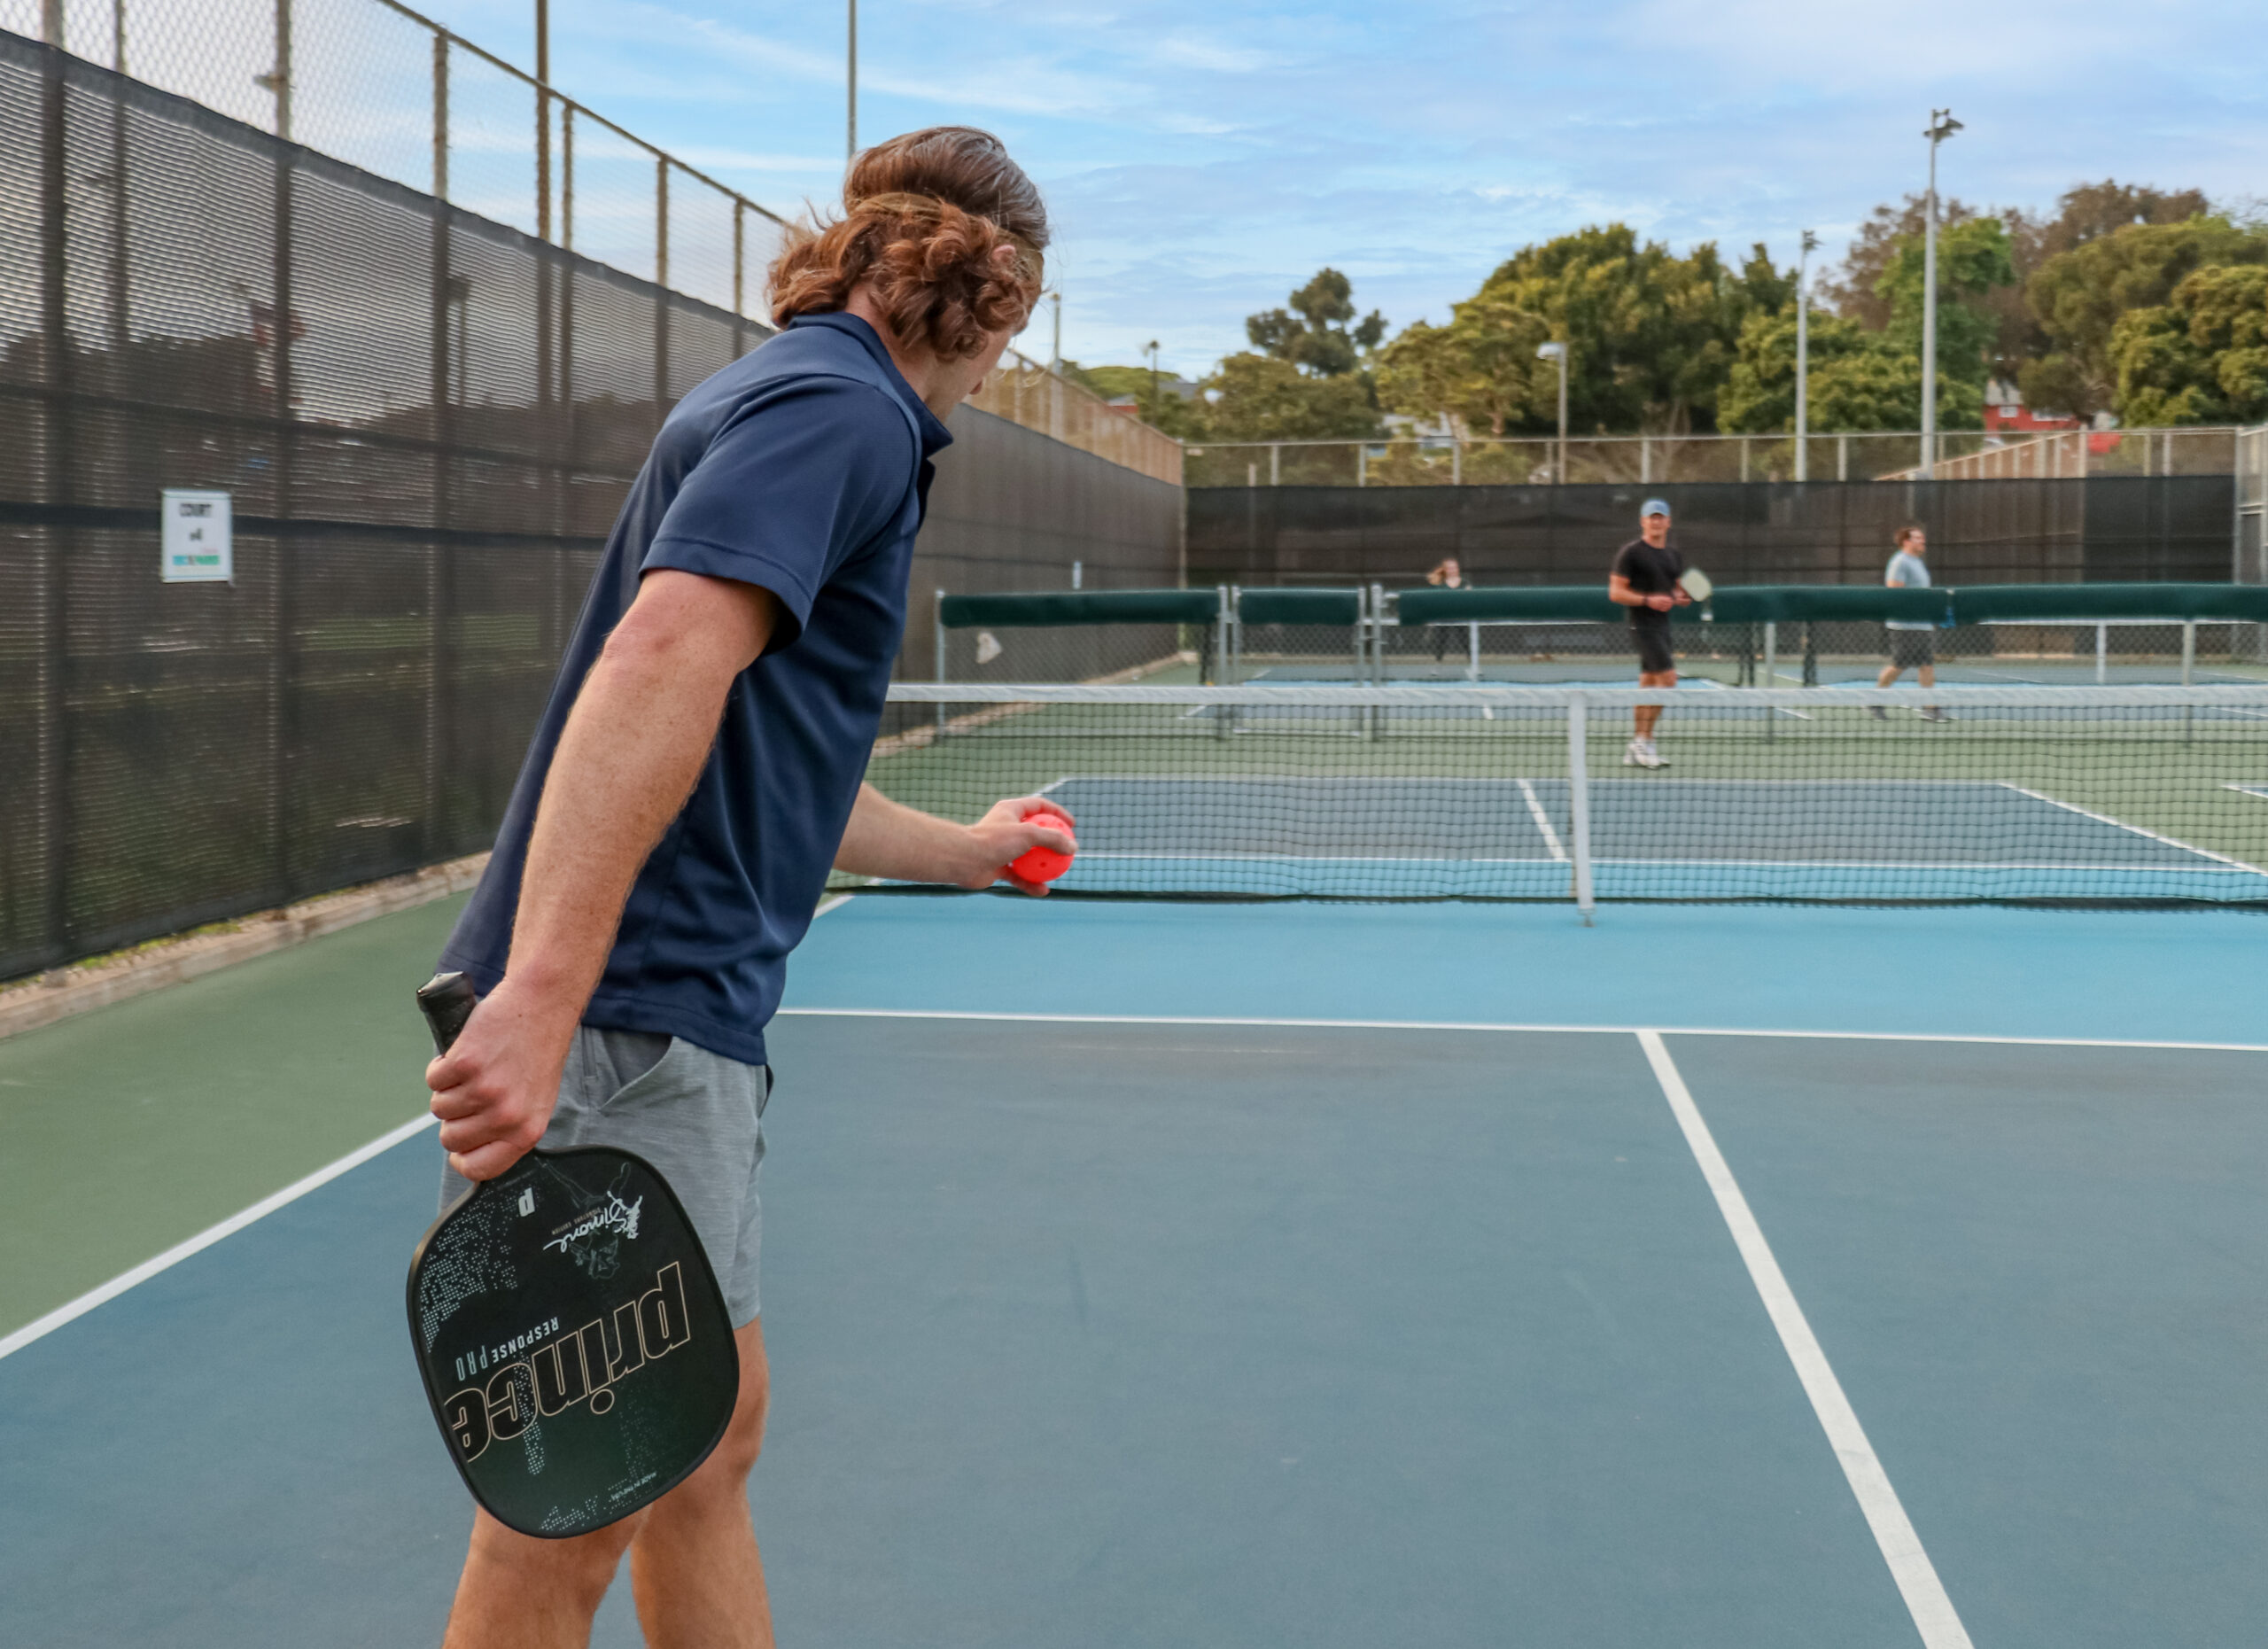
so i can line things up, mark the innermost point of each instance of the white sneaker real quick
(1930, 713)
(1641, 753)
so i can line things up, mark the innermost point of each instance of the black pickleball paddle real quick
(573, 1343)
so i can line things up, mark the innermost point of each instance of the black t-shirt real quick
(1650, 573)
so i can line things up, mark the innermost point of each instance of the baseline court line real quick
(1487, 1025)
(206, 1239)
(1934, 1615)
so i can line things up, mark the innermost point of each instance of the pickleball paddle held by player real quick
(572, 1340)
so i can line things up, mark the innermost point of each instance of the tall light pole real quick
(850, 126)
(1055, 354)
(1559, 352)
(1152, 352)
(1942, 126)
(1803, 356)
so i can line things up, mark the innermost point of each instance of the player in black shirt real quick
(1644, 580)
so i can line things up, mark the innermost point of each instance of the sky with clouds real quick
(1201, 159)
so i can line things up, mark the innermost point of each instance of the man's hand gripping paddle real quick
(1696, 584)
(573, 1343)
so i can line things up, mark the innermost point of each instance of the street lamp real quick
(1942, 126)
(1803, 355)
(1558, 352)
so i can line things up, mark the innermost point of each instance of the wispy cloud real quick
(1202, 160)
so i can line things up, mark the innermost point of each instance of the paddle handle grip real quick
(447, 1001)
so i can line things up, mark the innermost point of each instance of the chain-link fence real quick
(423, 424)
(1649, 460)
(374, 84)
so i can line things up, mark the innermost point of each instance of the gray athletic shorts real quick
(695, 1116)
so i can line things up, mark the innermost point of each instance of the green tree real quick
(2200, 358)
(1870, 378)
(1651, 337)
(1858, 380)
(1259, 397)
(2079, 297)
(1973, 261)
(1317, 332)
(1481, 368)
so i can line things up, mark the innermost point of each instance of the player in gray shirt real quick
(1913, 644)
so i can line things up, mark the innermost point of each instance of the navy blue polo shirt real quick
(803, 469)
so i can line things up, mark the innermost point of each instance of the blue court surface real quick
(1657, 837)
(1315, 1275)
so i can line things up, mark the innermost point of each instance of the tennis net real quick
(2105, 797)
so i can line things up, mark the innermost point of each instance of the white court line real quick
(207, 1238)
(1255, 1022)
(1934, 1615)
(836, 903)
(1542, 822)
(2089, 812)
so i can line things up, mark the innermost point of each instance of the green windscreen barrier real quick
(1032, 609)
(1849, 603)
(1319, 607)
(1983, 603)
(1579, 602)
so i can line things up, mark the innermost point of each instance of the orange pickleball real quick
(1043, 863)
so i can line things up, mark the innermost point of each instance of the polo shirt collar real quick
(935, 435)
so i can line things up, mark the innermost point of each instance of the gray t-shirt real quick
(1906, 571)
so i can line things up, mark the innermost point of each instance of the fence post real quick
(57, 542)
(442, 431)
(661, 289)
(1362, 464)
(2101, 654)
(1275, 464)
(1456, 461)
(1579, 802)
(1646, 460)
(940, 632)
(283, 717)
(1842, 458)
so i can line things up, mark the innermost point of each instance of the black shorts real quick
(1913, 650)
(1655, 655)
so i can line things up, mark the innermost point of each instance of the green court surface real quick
(144, 1122)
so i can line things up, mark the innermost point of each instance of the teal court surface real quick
(1149, 1273)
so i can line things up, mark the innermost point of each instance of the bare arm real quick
(632, 748)
(887, 838)
(1619, 591)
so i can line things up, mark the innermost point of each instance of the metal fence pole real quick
(283, 717)
(1579, 802)
(1842, 458)
(1275, 464)
(662, 290)
(2101, 654)
(55, 542)
(1456, 463)
(442, 433)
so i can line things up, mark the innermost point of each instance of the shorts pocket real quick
(631, 1093)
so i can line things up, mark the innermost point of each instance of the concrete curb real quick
(65, 993)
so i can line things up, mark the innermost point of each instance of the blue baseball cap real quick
(1653, 507)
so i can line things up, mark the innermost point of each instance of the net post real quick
(1220, 655)
(1579, 802)
(1234, 672)
(2188, 651)
(1377, 714)
(2102, 647)
(940, 657)
(1472, 652)
(1771, 671)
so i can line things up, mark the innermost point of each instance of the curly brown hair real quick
(924, 214)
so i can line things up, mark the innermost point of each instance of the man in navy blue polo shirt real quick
(697, 771)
